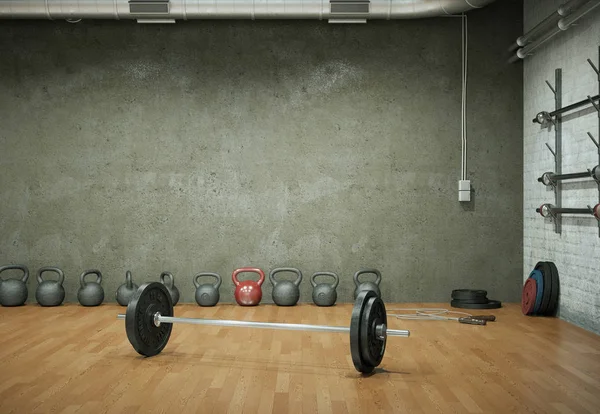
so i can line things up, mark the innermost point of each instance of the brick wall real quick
(576, 251)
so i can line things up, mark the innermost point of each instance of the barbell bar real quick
(158, 319)
(149, 320)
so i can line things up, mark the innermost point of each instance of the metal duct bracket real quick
(349, 11)
(150, 11)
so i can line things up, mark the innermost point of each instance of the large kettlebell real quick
(90, 293)
(50, 292)
(126, 290)
(324, 294)
(285, 292)
(13, 292)
(374, 286)
(173, 291)
(248, 292)
(207, 294)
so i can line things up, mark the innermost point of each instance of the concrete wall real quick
(576, 251)
(206, 146)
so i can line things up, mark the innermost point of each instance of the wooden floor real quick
(73, 359)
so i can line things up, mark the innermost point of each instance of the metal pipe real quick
(587, 101)
(239, 9)
(569, 12)
(566, 22)
(268, 325)
(563, 10)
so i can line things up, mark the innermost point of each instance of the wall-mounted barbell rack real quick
(554, 179)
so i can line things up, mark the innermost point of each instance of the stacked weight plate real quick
(540, 293)
(473, 299)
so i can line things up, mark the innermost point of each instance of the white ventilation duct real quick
(165, 10)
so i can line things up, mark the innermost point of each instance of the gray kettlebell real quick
(286, 292)
(126, 290)
(90, 293)
(207, 294)
(324, 294)
(173, 291)
(374, 286)
(13, 292)
(50, 292)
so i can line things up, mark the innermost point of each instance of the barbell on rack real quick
(550, 179)
(548, 210)
(149, 320)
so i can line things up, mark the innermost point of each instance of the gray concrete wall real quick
(206, 146)
(576, 251)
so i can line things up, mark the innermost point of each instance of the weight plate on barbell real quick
(358, 313)
(372, 348)
(145, 337)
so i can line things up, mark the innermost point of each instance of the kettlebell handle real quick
(217, 284)
(273, 272)
(128, 279)
(90, 272)
(61, 275)
(170, 276)
(376, 272)
(236, 272)
(333, 275)
(22, 268)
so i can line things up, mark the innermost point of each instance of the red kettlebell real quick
(248, 292)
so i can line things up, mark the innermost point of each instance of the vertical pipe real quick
(558, 147)
(598, 74)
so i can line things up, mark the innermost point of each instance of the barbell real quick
(149, 321)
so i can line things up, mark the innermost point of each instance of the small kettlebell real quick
(285, 292)
(50, 292)
(374, 286)
(324, 294)
(126, 290)
(207, 294)
(173, 291)
(90, 293)
(248, 292)
(13, 292)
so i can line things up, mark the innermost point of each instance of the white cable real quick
(465, 61)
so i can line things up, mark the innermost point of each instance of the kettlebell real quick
(13, 292)
(248, 292)
(126, 290)
(285, 292)
(324, 294)
(207, 294)
(90, 293)
(50, 292)
(173, 291)
(374, 286)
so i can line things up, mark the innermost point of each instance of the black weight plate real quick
(372, 348)
(468, 294)
(355, 322)
(145, 337)
(553, 305)
(547, 274)
(492, 304)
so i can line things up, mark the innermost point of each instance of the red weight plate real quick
(528, 297)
